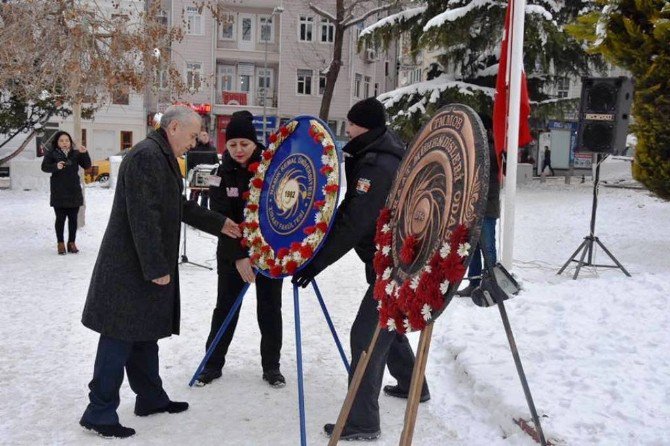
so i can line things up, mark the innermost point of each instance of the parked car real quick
(100, 169)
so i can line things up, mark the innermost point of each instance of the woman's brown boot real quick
(61, 248)
(71, 247)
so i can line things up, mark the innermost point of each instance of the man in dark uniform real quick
(372, 158)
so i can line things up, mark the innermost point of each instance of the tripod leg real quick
(519, 369)
(611, 256)
(343, 355)
(219, 334)
(353, 389)
(298, 345)
(587, 247)
(571, 257)
(418, 376)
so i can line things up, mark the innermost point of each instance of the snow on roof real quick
(433, 86)
(393, 19)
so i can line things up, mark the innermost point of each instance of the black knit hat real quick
(241, 126)
(368, 113)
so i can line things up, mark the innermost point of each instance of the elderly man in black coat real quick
(133, 298)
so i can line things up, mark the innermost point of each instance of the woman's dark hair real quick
(57, 135)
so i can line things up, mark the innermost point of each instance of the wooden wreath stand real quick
(413, 397)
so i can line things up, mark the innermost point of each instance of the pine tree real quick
(466, 35)
(635, 34)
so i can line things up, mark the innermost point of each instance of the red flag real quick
(500, 99)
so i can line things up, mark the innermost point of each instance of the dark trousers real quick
(487, 241)
(268, 310)
(71, 215)
(546, 164)
(392, 349)
(140, 360)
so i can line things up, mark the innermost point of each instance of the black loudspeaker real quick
(604, 113)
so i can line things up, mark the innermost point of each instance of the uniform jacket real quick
(141, 243)
(371, 162)
(226, 199)
(65, 183)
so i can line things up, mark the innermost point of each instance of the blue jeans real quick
(487, 239)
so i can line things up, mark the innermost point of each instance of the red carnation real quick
(309, 230)
(284, 132)
(331, 188)
(329, 148)
(254, 258)
(245, 195)
(257, 182)
(319, 204)
(253, 167)
(322, 226)
(252, 225)
(325, 170)
(283, 252)
(273, 138)
(306, 251)
(408, 250)
(270, 262)
(267, 155)
(460, 235)
(276, 271)
(256, 241)
(265, 249)
(311, 132)
(295, 246)
(384, 217)
(453, 267)
(252, 207)
(319, 136)
(380, 262)
(291, 266)
(243, 242)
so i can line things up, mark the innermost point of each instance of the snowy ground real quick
(595, 350)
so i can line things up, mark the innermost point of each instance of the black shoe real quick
(350, 434)
(108, 430)
(207, 376)
(467, 291)
(399, 392)
(274, 378)
(171, 407)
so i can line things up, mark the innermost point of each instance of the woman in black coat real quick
(234, 265)
(63, 161)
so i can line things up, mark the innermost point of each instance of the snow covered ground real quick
(595, 350)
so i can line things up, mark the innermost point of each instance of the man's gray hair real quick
(179, 113)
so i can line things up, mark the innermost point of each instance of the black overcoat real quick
(65, 182)
(141, 243)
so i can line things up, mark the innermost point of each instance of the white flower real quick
(377, 247)
(386, 249)
(297, 257)
(324, 160)
(386, 228)
(379, 305)
(408, 326)
(318, 217)
(444, 250)
(414, 284)
(428, 269)
(444, 286)
(390, 324)
(425, 311)
(390, 287)
(387, 274)
(261, 168)
(463, 249)
(396, 293)
(332, 178)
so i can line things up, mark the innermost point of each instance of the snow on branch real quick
(454, 14)
(393, 19)
(433, 87)
(322, 12)
(352, 21)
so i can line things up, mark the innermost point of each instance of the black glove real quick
(303, 277)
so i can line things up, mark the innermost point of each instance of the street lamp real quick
(275, 12)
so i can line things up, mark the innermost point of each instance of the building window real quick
(245, 74)
(227, 27)
(562, 87)
(246, 29)
(376, 89)
(415, 75)
(322, 84)
(357, 85)
(265, 78)
(225, 75)
(162, 78)
(121, 96)
(327, 31)
(366, 86)
(306, 29)
(304, 81)
(193, 21)
(193, 75)
(267, 29)
(126, 140)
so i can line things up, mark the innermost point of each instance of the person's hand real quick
(60, 165)
(246, 271)
(82, 149)
(231, 229)
(305, 276)
(162, 280)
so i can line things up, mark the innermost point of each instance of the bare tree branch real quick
(322, 12)
(353, 21)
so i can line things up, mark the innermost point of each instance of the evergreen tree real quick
(635, 34)
(466, 36)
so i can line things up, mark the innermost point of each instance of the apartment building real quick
(270, 57)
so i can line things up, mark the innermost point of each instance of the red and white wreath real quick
(288, 259)
(409, 305)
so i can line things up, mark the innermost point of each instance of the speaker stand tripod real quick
(183, 259)
(586, 247)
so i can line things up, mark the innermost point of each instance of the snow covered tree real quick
(465, 36)
(635, 34)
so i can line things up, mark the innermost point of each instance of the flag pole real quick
(513, 111)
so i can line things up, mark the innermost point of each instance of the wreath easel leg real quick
(418, 377)
(353, 389)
